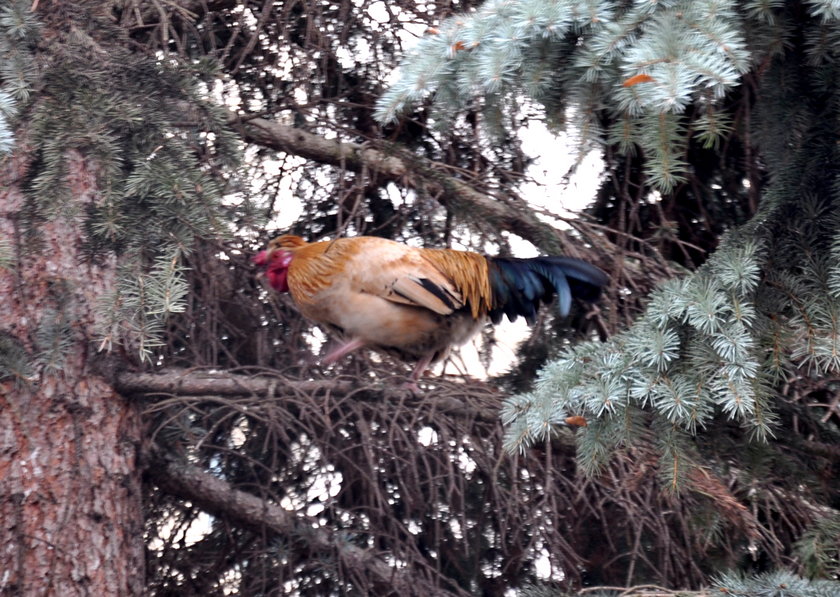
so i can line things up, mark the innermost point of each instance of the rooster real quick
(416, 304)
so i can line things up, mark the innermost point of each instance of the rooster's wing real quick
(404, 275)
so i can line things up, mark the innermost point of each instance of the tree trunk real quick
(71, 518)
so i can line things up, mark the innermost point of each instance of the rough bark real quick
(70, 508)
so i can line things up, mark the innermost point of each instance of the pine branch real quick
(217, 497)
(652, 60)
(779, 582)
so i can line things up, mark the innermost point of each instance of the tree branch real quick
(392, 164)
(270, 399)
(217, 497)
(194, 382)
(459, 400)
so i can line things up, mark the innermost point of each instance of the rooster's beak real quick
(263, 257)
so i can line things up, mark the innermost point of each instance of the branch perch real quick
(187, 382)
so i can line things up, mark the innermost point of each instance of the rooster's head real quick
(275, 259)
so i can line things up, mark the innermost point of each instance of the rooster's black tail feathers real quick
(520, 285)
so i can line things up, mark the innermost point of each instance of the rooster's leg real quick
(419, 369)
(343, 350)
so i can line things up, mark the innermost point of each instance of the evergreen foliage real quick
(15, 363)
(770, 584)
(19, 31)
(421, 484)
(713, 347)
(158, 185)
(6, 254)
(819, 548)
(648, 62)
(774, 584)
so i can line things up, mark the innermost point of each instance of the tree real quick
(142, 365)
(99, 201)
(113, 224)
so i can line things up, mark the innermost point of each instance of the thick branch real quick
(406, 169)
(190, 382)
(217, 497)
(186, 382)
